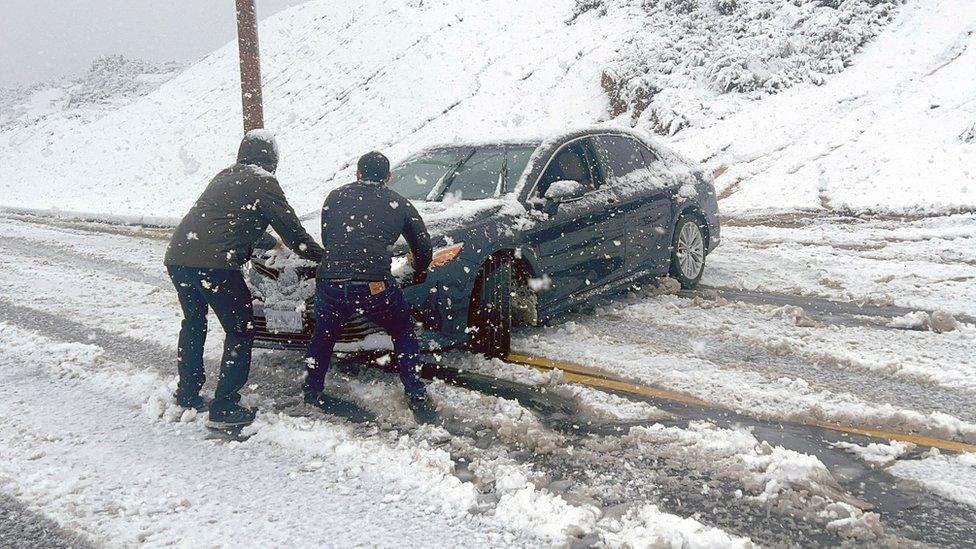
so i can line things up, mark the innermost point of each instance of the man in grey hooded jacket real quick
(204, 257)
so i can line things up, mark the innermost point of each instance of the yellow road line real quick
(921, 440)
(550, 364)
(596, 377)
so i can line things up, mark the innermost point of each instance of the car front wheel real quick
(688, 251)
(490, 316)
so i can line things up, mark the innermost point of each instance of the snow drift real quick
(734, 86)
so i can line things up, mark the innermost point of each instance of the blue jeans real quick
(225, 292)
(335, 302)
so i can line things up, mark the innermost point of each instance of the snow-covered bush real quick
(969, 136)
(116, 78)
(726, 7)
(685, 49)
(111, 82)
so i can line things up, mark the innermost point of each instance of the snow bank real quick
(649, 527)
(953, 476)
(769, 474)
(876, 453)
(425, 473)
(937, 321)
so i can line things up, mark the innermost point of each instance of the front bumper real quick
(439, 306)
(357, 329)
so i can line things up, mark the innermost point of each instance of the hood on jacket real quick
(259, 148)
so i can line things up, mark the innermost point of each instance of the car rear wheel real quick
(688, 251)
(490, 317)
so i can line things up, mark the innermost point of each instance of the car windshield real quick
(416, 178)
(477, 172)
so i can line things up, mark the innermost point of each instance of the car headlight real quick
(445, 254)
(402, 265)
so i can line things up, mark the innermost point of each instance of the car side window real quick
(571, 163)
(621, 155)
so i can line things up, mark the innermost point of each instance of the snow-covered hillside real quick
(889, 132)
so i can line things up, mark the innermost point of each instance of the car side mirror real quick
(564, 190)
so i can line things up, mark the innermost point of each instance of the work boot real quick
(196, 402)
(336, 406)
(423, 408)
(236, 416)
(320, 400)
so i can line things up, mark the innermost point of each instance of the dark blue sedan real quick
(523, 231)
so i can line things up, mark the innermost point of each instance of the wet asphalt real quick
(21, 528)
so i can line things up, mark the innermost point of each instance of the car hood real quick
(445, 218)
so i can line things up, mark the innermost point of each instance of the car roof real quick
(539, 140)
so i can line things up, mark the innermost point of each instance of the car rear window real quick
(621, 155)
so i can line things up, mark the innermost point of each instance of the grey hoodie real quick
(233, 213)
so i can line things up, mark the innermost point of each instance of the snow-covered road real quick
(87, 330)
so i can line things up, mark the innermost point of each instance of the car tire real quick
(490, 316)
(688, 251)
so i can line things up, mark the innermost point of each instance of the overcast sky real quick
(42, 39)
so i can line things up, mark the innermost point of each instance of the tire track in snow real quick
(845, 313)
(729, 354)
(64, 254)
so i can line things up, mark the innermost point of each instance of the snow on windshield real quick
(463, 173)
(416, 178)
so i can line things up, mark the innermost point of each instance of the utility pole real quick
(247, 46)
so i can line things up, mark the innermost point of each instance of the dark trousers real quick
(335, 302)
(225, 292)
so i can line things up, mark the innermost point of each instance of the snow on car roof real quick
(534, 139)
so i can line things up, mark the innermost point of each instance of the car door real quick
(645, 200)
(580, 245)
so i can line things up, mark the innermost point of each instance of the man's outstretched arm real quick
(415, 233)
(274, 206)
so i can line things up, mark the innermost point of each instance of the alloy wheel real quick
(691, 250)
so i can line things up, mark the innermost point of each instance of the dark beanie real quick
(373, 166)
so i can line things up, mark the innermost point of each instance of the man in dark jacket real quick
(361, 222)
(204, 258)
